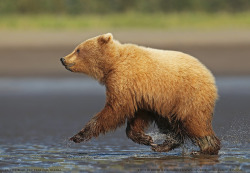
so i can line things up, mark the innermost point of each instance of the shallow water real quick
(39, 115)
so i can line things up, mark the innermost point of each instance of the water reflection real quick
(30, 156)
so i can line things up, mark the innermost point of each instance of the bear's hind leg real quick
(137, 125)
(208, 145)
(173, 139)
(200, 131)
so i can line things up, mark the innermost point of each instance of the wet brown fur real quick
(144, 85)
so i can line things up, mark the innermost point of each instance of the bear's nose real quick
(63, 61)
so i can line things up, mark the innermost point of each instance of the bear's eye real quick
(78, 50)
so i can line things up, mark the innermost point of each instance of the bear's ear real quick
(105, 38)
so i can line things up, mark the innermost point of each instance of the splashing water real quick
(238, 135)
(157, 137)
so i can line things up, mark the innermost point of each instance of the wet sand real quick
(37, 54)
(64, 105)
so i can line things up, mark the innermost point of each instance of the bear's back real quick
(162, 79)
(139, 60)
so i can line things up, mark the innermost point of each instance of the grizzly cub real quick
(145, 85)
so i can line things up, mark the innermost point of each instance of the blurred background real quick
(35, 34)
(42, 102)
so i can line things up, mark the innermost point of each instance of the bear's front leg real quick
(173, 138)
(106, 120)
(172, 141)
(137, 125)
(85, 134)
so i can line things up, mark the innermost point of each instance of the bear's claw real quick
(160, 148)
(153, 145)
(195, 153)
(77, 138)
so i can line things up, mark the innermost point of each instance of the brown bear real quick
(145, 85)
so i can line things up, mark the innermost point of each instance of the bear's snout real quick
(63, 61)
(66, 65)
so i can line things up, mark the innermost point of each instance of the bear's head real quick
(93, 57)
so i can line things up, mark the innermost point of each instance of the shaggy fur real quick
(145, 85)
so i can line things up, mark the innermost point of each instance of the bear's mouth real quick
(68, 66)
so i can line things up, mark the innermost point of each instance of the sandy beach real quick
(37, 53)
